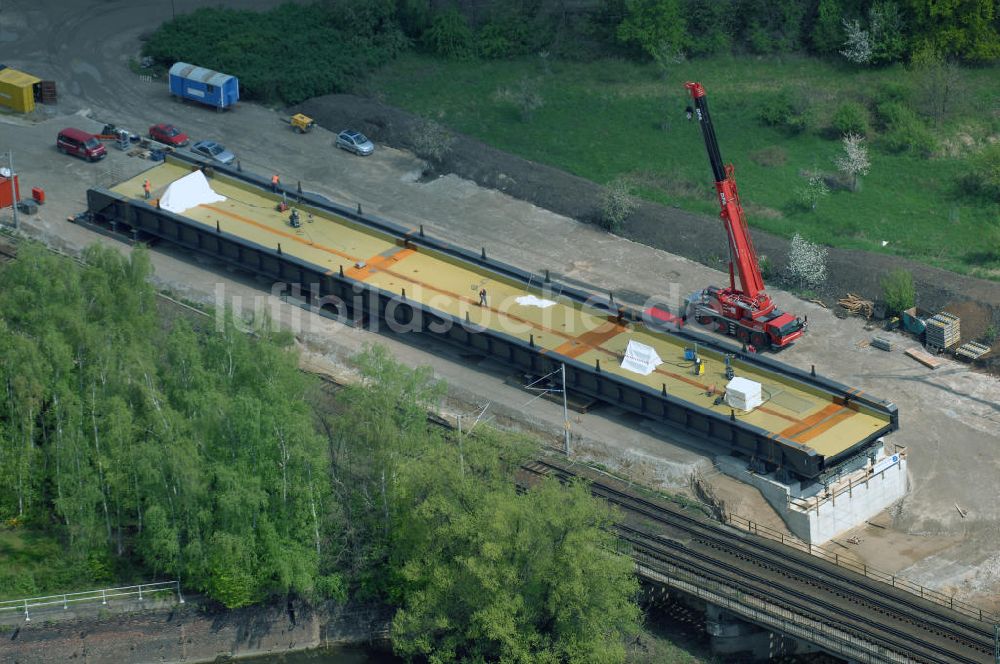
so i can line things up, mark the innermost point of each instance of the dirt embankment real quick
(697, 237)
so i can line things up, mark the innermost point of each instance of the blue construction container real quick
(204, 85)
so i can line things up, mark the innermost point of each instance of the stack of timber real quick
(971, 351)
(943, 331)
(924, 358)
(882, 343)
(857, 305)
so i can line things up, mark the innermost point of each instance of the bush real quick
(851, 118)
(785, 111)
(983, 176)
(904, 131)
(898, 291)
(617, 205)
(431, 140)
(502, 39)
(449, 35)
(991, 334)
(806, 263)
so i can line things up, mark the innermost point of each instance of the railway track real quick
(920, 630)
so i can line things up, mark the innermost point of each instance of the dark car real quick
(355, 141)
(168, 134)
(81, 144)
(213, 151)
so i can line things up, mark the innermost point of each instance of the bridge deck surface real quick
(790, 409)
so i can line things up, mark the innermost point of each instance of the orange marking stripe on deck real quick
(591, 340)
(811, 421)
(376, 263)
(824, 426)
(265, 227)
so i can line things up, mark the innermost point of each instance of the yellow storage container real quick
(17, 90)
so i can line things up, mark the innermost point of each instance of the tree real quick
(806, 263)
(898, 291)
(880, 40)
(649, 24)
(449, 35)
(810, 193)
(857, 43)
(854, 162)
(828, 32)
(941, 88)
(965, 29)
(885, 24)
(511, 577)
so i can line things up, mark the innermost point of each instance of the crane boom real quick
(741, 248)
(747, 312)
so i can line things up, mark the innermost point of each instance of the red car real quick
(169, 134)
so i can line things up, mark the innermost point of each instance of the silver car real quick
(213, 151)
(356, 142)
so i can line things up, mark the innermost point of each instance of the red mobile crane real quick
(747, 313)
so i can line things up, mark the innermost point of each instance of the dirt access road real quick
(950, 418)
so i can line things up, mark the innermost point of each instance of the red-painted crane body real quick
(747, 312)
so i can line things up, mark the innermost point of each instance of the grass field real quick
(612, 118)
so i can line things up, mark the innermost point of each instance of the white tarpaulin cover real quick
(188, 192)
(532, 301)
(743, 393)
(640, 358)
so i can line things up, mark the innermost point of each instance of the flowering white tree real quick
(854, 162)
(858, 45)
(806, 262)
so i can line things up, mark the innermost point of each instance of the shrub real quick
(851, 118)
(991, 334)
(806, 263)
(766, 267)
(786, 111)
(898, 291)
(891, 92)
(431, 140)
(904, 131)
(983, 176)
(502, 39)
(525, 96)
(617, 205)
(808, 194)
(449, 35)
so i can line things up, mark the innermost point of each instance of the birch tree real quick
(854, 161)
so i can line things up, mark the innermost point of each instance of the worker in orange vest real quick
(275, 181)
(145, 188)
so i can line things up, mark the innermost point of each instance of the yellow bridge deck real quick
(790, 409)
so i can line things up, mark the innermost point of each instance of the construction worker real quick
(293, 220)
(482, 298)
(275, 181)
(145, 189)
(689, 112)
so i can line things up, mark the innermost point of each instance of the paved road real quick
(950, 418)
